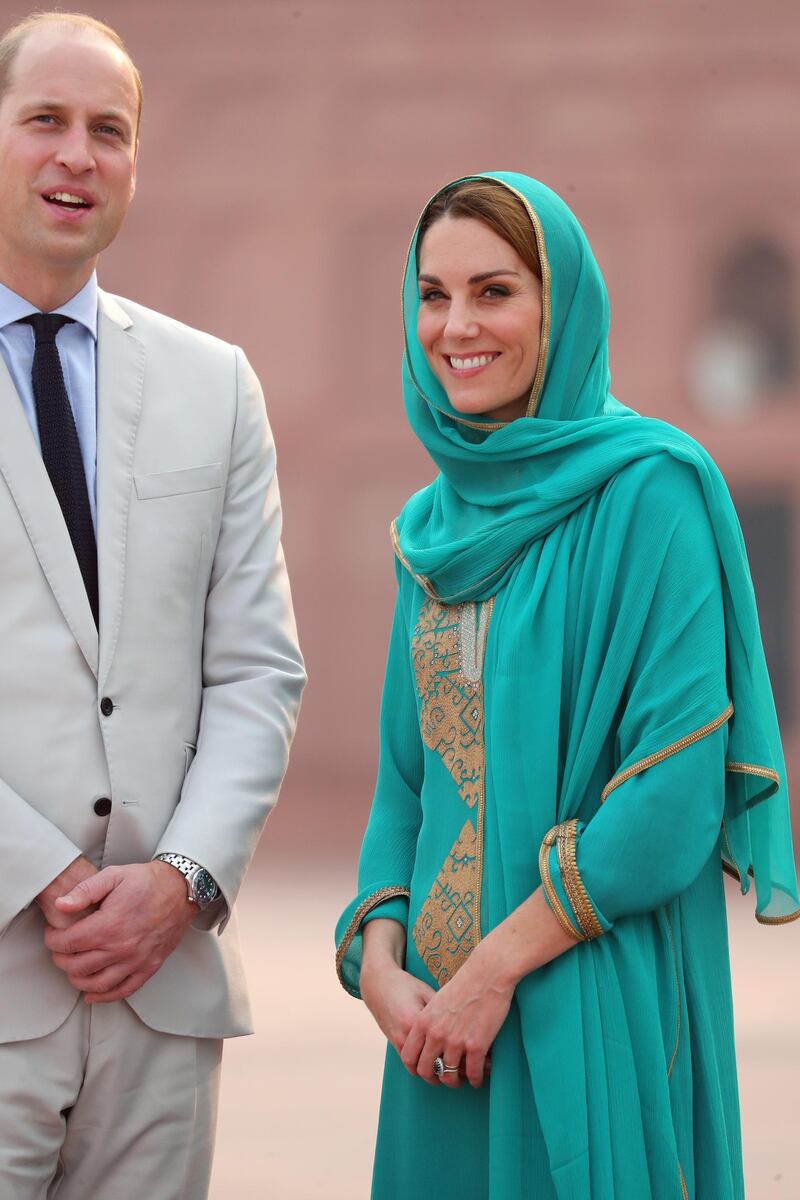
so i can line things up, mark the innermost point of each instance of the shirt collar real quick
(81, 308)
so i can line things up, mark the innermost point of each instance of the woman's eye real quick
(431, 294)
(495, 290)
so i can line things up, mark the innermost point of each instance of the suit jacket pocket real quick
(178, 483)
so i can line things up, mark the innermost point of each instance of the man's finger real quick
(125, 989)
(101, 982)
(92, 890)
(87, 963)
(91, 933)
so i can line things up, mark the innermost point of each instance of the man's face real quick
(67, 153)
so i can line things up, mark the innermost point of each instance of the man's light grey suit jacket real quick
(197, 650)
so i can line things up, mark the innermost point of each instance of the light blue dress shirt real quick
(77, 349)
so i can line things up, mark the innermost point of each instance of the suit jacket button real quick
(102, 806)
(106, 706)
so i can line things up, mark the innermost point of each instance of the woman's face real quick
(480, 317)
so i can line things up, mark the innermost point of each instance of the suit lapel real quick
(120, 380)
(28, 482)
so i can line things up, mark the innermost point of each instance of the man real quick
(149, 670)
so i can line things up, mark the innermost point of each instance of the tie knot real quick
(46, 325)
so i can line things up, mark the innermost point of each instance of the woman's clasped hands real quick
(456, 1024)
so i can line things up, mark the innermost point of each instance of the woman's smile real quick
(480, 317)
(465, 366)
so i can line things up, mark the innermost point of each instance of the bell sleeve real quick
(388, 850)
(659, 817)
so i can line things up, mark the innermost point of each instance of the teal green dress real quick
(576, 697)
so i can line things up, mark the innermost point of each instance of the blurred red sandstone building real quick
(287, 150)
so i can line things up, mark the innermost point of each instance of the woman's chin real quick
(498, 408)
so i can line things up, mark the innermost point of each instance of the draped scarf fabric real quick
(503, 487)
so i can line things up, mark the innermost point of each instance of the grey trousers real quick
(105, 1108)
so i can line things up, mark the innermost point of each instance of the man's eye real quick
(45, 118)
(109, 130)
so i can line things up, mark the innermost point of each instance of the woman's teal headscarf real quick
(502, 487)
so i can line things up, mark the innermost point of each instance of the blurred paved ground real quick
(299, 1100)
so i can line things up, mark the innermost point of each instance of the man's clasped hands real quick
(110, 930)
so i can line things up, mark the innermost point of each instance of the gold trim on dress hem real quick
(684, 1193)
(752, 769)
(367, 905)
(731, 869)
(652, 759)
(678, 993)
(793, 916)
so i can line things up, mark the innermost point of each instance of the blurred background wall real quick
(287, 149)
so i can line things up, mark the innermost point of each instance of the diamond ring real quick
(441, 1068)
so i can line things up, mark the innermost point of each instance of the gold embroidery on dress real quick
(448, 925)
(447, 653)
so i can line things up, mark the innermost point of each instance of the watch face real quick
(205, 887)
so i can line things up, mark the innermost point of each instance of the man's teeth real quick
(67, 198)
(468, 364)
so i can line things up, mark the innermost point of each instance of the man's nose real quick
(75, 150)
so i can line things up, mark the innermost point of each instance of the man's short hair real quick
(13, 38)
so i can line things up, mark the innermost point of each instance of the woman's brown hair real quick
(492, 202)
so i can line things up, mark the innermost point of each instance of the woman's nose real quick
(461, 322)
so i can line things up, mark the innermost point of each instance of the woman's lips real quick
(465, 366)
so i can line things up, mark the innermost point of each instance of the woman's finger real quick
(431, 1050)
(475, 1066)
(453, 1057)
(412, 1047)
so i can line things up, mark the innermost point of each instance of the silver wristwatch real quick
(201, 886)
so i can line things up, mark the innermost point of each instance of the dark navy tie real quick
(61, 449)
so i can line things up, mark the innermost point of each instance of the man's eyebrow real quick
(39, 104)
(112, 114)
(484, 275)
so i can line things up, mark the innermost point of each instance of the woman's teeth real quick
(469, 364)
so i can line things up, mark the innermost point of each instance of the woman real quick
(577, 735)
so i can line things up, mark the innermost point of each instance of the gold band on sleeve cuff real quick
(573, 884)
(366, 906)
(552, 897)
(564, 838)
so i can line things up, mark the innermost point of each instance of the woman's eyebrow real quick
(484, 275)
